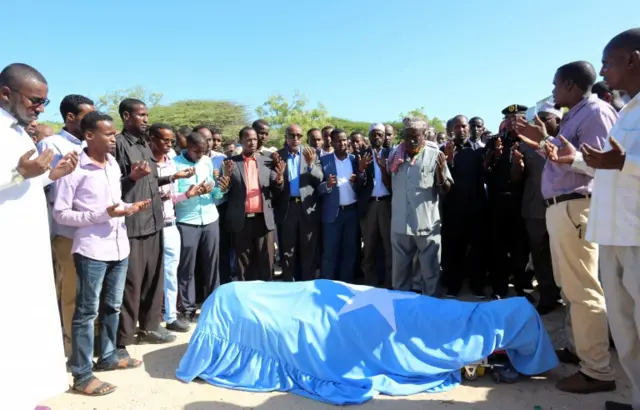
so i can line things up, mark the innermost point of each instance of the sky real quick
(363, 60)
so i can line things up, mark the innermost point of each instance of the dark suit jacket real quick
(238, 192)
(363, 199)
(309, 178)
(331, 199)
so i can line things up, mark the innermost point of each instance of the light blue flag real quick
(345, 344)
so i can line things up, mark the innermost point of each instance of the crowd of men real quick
(147, 221)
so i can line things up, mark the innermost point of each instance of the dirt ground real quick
(154, 387)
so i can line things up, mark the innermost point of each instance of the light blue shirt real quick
(197, 210)
(217, 159)
(61, 144)
(293, 169)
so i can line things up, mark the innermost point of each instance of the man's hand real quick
(185, 173)
(223, 183)
(194, 190)
(30, 168)
(612, 159)
(279, 166)
(139, 170)
(364, 161)
(331, 181)
(65, 166)
(565, 154)
(309, 155)
(382, 162)
(497, 152)
(227, 169)
(353, 178)
(114, 212)
(449, 150)
(206, 187)
(536, 131)
(517, 159)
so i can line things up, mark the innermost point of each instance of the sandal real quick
(100, 388)
(122, 363)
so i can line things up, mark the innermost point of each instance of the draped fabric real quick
(336, 343)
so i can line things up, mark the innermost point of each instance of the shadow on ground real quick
(162, 363)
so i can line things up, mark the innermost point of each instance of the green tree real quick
(57, 126)
(110, 102)
(434, 122)
(228, 116)
(279, 113)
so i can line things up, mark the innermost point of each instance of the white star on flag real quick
(381, 299)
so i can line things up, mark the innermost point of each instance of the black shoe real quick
(188, 317)
(158, 336)
(496, 296)
(478, 293)
(179, 325)
(567, 357)
(614, 405)
(546, 308)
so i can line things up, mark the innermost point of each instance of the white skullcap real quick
(550, 108)
(376, 126)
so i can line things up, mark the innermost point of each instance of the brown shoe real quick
(567, 357)
(580, 383)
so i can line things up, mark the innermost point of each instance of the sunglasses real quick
(35, 101)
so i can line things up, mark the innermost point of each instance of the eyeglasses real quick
(35, 101)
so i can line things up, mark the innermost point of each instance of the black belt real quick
(295, 199)
(380, 198)
(167, 224)
(348, 207)
(566, 197)
(253, 215)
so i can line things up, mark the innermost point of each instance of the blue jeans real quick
(171, 260)
(92, 278)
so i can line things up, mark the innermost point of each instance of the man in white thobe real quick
(34, 353)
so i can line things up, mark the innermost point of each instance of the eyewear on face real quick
(35, 101)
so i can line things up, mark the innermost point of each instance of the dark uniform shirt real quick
(499, 172)
(533, 206)
(129, 150)
(469, 176)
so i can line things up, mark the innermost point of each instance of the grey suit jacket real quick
(238, 193)
(309, 178)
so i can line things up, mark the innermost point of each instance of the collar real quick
(246, 158)
(69, 137)
(132, 139)
(86, 161)
(335, 157)
(632, 104)
(295, 154)
(577, 107)
(7, 120)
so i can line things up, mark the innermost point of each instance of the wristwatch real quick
(543, 143)
(16, 177)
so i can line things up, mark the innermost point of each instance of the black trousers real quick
(464, 250)
(199, 249)
(255, 249)
(144, 288)
(298, 241)
(541, 256)
(509, 246)
(375, 227)
(225, 246)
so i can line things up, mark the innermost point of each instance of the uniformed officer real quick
(508, 248)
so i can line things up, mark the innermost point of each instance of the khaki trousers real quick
(575, 270)
(65, 278)
(620, 269)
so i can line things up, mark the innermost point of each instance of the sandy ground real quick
(154, 387)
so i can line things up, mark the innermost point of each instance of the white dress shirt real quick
(378, 186)
(614, 218)
(61, 144)
(344, 170)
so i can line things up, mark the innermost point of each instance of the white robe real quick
(33, 353)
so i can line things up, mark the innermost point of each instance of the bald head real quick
(17, 74)
(293, 137)
(196, 139)
(293, 129)
(42, 131)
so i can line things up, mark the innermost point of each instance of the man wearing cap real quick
(567, 192)
(374, 208)
(526, 168)
(508, 247)
(419, 173)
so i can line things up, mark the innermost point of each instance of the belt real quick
(566, 197)
(253, 215)
(295, 199)
(347, 207)
(380, 198)
(172, 223)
